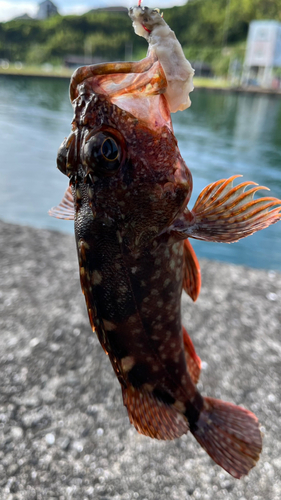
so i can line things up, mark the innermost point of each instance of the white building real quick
(263, 54)
(46, 9)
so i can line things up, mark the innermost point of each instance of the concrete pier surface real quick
(64, 433)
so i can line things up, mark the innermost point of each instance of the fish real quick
(128, 195)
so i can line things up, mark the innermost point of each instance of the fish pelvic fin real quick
(224, 213)
(192, 360)
(152, 416)
(65, 210)
(192, 273)
(230, 435)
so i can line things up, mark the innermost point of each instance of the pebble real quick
(16, 433)
(272, 296)
(50, 439)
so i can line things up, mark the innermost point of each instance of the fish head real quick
(125, 167)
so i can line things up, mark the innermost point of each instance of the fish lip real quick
(84, 73)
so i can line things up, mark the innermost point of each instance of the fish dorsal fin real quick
(192, 360)
(65, 210)
(192, 274)
(153, 417)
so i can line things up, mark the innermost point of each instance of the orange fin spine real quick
(214, 189)
(151, 416)
(235, 200)
(65, 210)
(230, 435)
(192, 274)
(192, 360)
(224, 213)
(218, 194)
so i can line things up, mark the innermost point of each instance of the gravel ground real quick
(64, 433)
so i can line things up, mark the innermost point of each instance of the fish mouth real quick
(149, 89)
(135, 87)
(123, 69)
(132, 76)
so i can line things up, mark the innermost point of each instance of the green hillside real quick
(209, 30)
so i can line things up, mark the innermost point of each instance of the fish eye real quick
(109, 149)
(65, 155)
(102, 152)
(61, 157)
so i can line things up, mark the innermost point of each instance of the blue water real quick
(222, 134)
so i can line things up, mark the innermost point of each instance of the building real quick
(46, 9)
(263, 54)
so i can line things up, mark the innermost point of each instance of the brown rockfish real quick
(128, 196)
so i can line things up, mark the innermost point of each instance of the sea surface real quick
(222, 134)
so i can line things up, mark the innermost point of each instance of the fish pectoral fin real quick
(225, 214)
(192, 274)
(192, 360)
(230, 435)
(153, 417)
(65, 210)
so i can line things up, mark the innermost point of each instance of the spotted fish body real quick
(128, 195)
(133, 306)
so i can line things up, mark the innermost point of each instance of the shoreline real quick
(64, 430)
(209, 84)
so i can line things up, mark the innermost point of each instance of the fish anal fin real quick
(230, 435)
(153, 417)
(225, 214)
(192, 274)
(192, 360)
(65, 210)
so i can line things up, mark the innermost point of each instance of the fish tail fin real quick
(152, 415)
(227, 213)
(230, 435)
